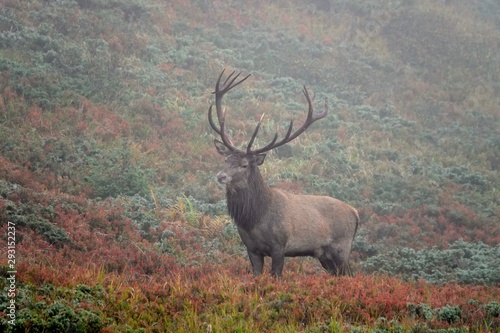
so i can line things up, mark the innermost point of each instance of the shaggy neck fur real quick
(247, 204)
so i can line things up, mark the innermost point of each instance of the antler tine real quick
(222, 130)
(254, 135)
(229, 83)
(211, 121)
(311, 118)
(227, 86)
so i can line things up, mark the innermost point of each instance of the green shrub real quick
(39, 219)
(450, 314)
(492, 309)
(470, 263)
(141, 210)
(113, 173)
(58, 316)
(420, 311)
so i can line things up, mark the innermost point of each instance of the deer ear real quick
(221, 148)
(259, 159)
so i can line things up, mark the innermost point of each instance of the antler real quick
(289, 136)
(219, 93)
(229, 84)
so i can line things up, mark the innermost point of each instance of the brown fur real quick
(277, 223)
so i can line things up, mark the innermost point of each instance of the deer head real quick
(240, 164)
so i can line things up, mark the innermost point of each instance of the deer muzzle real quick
(222, 177)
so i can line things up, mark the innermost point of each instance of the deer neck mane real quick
(247, 204)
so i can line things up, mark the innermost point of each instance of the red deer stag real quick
(272, 222)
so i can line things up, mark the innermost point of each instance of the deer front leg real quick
(278, 261)
(257, 261)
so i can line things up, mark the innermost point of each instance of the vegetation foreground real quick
(99, 274)
(113, 221)
(221, 301)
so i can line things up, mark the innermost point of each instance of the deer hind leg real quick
(334, 262)
(343, 263)
(327, 264)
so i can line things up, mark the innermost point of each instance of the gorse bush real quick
(449, 314)
(57, 310)
(493, 309)
(116, 174)
(39, 219)
(472, 263)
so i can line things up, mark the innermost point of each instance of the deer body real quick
(276, 223)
